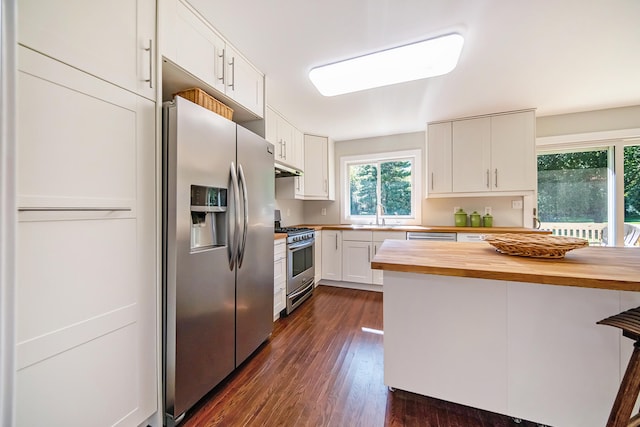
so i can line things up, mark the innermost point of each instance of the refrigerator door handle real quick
(232, 244)
(245, 224)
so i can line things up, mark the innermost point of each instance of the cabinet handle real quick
(76, 209)
(298, 183)
(496, 180)
(284, 144)
(336, 241)
(233, 73)
(150, 50)
(432, 180)
(221, 56)
(488, 186)
(324, 186)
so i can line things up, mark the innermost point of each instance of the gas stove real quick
(297, 234)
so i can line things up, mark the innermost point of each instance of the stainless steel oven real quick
(300, 266)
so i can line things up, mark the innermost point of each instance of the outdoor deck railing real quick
(591, 231)
(594, 232)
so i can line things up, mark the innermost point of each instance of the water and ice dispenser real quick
(208, 216)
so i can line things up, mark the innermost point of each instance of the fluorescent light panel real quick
(428, 58)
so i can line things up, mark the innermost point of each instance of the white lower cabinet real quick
(356, 256)
(87, 293)
(279, 277)
(378, 239)
(332, 254)
(358, 249)
(317, 257)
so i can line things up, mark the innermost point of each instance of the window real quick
(592, 192)
(383, 187)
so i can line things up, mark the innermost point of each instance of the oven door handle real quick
(301, 291)
(295, 246)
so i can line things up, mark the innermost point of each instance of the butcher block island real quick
(508, 334)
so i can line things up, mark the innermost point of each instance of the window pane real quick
(362, 185)
(572, 189)
(396, 187)
(632, 194)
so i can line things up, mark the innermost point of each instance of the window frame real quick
(415, 218)
(614, 142)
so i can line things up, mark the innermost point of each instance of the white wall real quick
(291, 210)
(589, 121)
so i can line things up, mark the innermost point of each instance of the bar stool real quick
(629, 322)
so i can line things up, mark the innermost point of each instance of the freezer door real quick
(254, 286)
(199, 283)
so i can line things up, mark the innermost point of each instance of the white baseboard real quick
(351, 285)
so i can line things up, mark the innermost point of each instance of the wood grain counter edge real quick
(592, 267)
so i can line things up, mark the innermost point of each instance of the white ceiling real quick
(557, 56)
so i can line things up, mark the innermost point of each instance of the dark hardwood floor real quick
(319, 368)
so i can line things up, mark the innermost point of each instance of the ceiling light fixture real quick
(428, 58)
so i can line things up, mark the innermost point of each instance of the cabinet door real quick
(513, 159)
(279, 278)
(298, 149)
(439, 158)
(471, 153)
(378, 239)
(113, 40)
(271, 131)
(86, 322)
(245, 84)
(356, 261)
(316, 167)
(317, 260)
(331, 255)
(198, 49)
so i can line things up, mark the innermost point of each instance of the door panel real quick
(255, 276)
(201, 284)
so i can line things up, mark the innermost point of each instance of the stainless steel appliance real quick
(300, 264)
(218, 200)
(435, 236)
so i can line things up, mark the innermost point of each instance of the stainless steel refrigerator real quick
(218, 204)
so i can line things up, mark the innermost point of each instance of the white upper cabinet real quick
(513, 152)
(318, 168)
(439, 157)
(487, 154)
(113, 40)
(191, 42)
(244, 84)
(281, 134)
(471, 153)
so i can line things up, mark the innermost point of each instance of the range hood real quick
(283, 171)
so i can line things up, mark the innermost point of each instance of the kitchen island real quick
(508, 334)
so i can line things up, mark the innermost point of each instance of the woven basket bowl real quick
(534, 245)
(202, 98)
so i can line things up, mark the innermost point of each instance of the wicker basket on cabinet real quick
(207, 101)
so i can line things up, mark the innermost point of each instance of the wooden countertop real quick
(427, 228)
(277, 236)
(591, 267)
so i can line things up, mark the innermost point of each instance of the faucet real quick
(379, 213)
